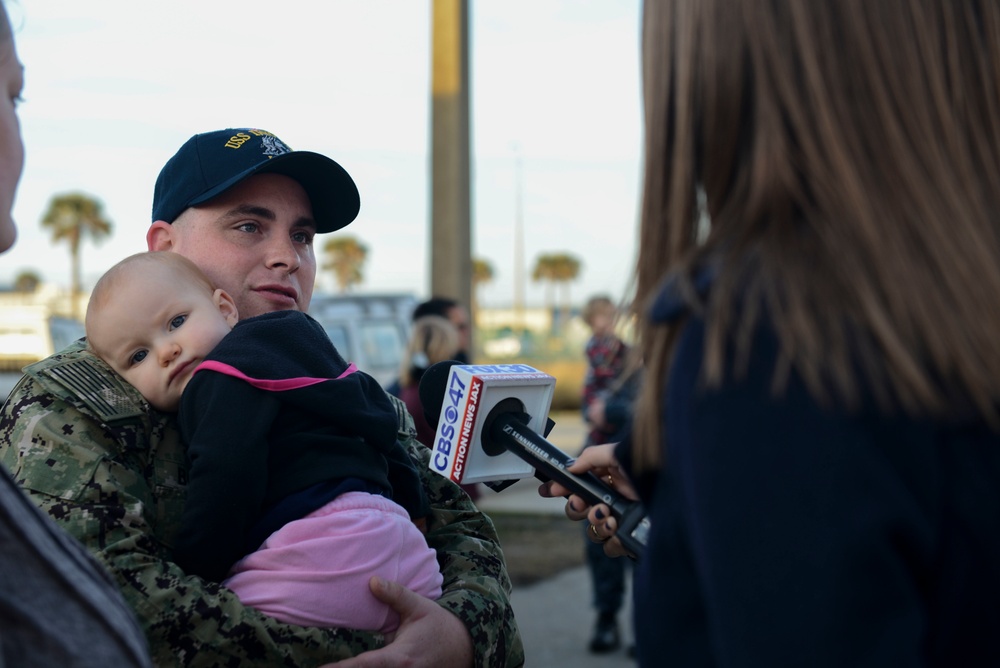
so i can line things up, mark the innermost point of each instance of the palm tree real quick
(345, 258)
(72, 217)
(557, 269)
(27, 280)
(544, 271)
(482, 272)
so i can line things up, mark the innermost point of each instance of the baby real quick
(298, 490)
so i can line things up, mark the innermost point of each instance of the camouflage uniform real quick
(111, 471)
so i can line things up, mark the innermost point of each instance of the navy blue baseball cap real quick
(208, 164)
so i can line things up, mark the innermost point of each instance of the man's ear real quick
(160, 236)
(227, 307)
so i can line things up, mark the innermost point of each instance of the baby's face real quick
(154, 330)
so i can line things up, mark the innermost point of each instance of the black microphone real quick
(431, 389)
(505, 429)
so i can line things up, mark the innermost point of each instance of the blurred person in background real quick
(433, 339)
(58, 607)
(457, 315)
(817, 439)
(612, 412)
(606, 356)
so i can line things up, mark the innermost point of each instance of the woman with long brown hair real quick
(818, 292)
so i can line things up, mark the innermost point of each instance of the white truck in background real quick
(29, 333)
(370, 330)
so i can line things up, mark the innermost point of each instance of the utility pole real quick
(519, 275)
(451, 226)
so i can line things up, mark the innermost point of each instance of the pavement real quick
(555, 616)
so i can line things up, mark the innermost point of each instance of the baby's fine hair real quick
(183, 268)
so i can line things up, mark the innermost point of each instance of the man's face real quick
(11, 147)
(255, 241)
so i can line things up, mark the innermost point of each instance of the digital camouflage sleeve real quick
(111, 471)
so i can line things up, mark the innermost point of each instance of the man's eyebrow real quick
(258, 211)
(254, 210)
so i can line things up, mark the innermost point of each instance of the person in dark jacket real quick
(818, 436)
(299, 491)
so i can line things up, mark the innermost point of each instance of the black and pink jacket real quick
(277, 424)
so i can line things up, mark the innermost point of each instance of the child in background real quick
(606, 360)
(299, 490)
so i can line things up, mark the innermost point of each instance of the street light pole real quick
(519, 276)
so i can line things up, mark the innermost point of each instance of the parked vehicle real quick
(369, 330)
(28, 333)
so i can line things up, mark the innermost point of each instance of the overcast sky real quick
(114, 87)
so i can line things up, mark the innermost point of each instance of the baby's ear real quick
(227, 307)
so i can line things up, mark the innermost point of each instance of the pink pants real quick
(315, 571)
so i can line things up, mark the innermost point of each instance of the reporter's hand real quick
(603, 529)
(428, 635)
(600, 459)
